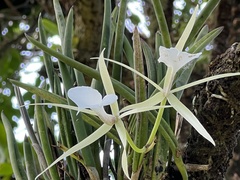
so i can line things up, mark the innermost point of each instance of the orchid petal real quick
(181, 42)
(123, 137)
(219, 76)
(155, 99)
(136, 72)
(87, 111)
(142, 109)
(189, 116)
(109, 99)
(85, 97)
(87, 141)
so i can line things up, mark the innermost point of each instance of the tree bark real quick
(217, 106)
(228, 16)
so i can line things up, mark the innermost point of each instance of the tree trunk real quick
(88, 19)
(217, 106)
(228, 16)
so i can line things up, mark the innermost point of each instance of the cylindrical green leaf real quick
(65, 129)
(162, 23)
(201, 19)
(29, 159)
(46, 58)
(151, 64)
(60, 18)
(15, 158)
(118, 45)
(44, 138)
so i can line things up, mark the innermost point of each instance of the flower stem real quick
(157, 123)
(149, 144)
(133, 146)
(169, 77)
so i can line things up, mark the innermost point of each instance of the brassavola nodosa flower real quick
(86, 97)
(175, 60)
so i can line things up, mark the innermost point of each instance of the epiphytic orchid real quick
(88, 98)
(175, 59)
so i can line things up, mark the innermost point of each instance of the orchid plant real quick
(88, 100)
(86, 97)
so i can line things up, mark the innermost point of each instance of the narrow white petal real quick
(189, 116)
(136, 72)
(155, 99)
(143, 109)
(87, 111)
(88, 140)
(123, 137)
(181, 42)
(219, 76)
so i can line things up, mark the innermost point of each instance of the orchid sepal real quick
(189, 116)
(85, 142)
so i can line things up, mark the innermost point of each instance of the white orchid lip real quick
(175, 58)
(86, 97)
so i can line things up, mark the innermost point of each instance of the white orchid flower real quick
(86, 97)
(175, 60)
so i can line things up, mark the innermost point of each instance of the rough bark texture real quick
(228, 16)
(217, 106)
